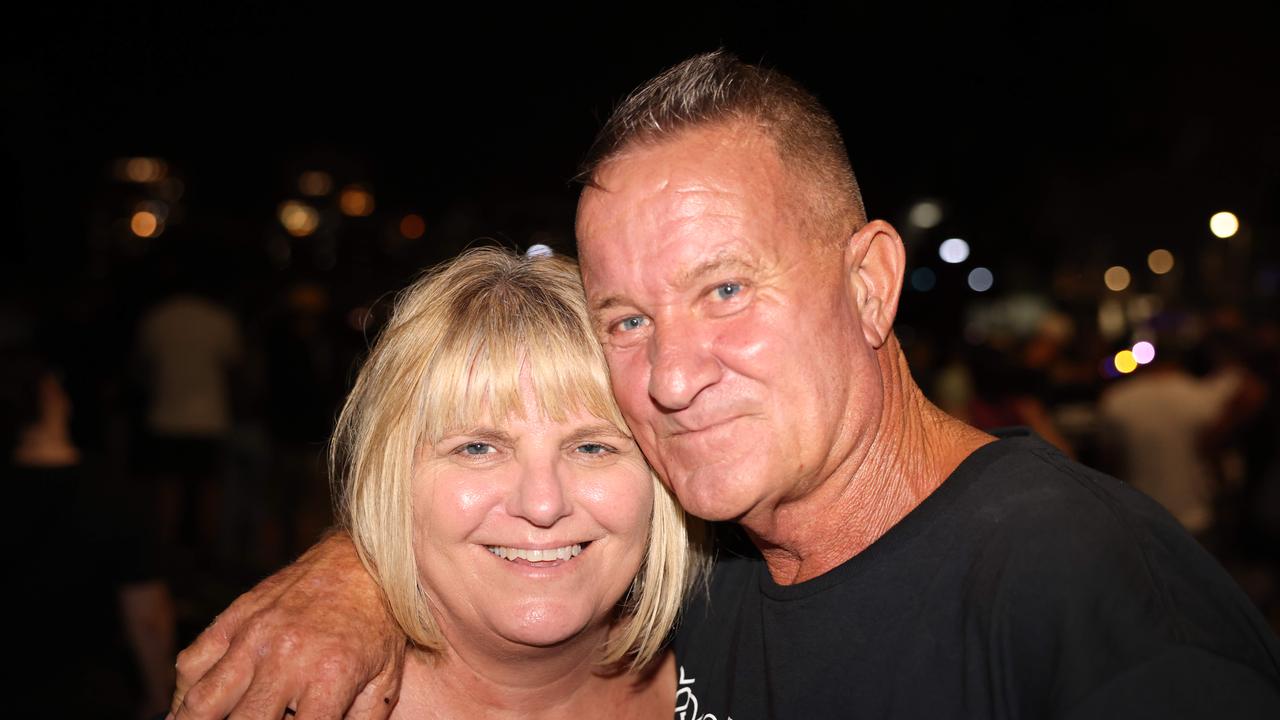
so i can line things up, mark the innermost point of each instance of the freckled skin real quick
(754, 362)
(776, 365)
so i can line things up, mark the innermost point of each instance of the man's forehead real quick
(689, 239)
(681, 207)
(663, 192)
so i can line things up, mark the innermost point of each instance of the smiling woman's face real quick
(529, 531)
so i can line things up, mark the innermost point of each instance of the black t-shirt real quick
(1026, 586)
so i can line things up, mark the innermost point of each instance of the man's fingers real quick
(317, 629)
(379, 697)
(214, 695)
(209, 647)
(197, 660)
(325, 701)
(267, 697)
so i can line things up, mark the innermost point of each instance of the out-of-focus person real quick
(83, 571)
(1159, 416)
(188, 346)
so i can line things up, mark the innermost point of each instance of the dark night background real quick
(1052, 134)
(1057, 139)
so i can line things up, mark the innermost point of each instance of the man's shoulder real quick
(1058, 521)
(1061, 550)
(1023, 483)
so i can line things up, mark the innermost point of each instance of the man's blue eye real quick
(632, 323)
(728, 290)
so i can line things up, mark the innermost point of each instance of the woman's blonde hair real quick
(453, 353)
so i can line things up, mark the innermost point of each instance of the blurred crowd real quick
(1194, 425)
(166, 446)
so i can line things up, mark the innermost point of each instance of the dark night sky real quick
(1052, 135)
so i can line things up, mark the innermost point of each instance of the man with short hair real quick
(907, 564)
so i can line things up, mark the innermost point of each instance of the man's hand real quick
(314, 638)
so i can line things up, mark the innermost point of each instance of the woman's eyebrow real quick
(596, 430)
(481, 433)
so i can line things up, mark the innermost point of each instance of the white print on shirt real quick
(687, 702)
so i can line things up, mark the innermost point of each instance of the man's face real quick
(733, 340)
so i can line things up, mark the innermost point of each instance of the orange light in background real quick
(315, 183)
(412, 226)
(299, 219)
(1160, 261)
(1126, 362)
(142, 170)
(355, 201)
(1116, 278)
(1224, 224)
(144, 224)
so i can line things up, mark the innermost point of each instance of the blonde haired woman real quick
(494, 491)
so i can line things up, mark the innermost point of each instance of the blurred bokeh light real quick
(953, 250)
(1116, 278)
(298, 218)
(1160, 261)
(356, 201)
(1224, 224)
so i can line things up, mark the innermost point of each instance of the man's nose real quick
(682, 365)
(541, 496)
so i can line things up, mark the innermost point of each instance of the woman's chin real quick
(543, 626)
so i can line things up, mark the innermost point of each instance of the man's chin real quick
(716, 498)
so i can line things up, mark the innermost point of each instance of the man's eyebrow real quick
(606, 303)
(714, 265)
(725, 260)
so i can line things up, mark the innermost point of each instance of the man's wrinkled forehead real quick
(710, 176)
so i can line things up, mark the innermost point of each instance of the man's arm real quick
(314, 637)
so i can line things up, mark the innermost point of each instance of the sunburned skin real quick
(751, 350)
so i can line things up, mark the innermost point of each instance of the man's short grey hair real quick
(716, 88)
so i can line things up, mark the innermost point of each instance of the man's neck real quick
(914, 448)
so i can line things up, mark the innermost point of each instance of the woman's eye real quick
(594, 449)
(728, 290)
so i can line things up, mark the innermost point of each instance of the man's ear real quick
(874, 263)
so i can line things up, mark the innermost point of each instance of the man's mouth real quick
(542, 555)
(681, 429)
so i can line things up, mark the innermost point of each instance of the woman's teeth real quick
(546, 555)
